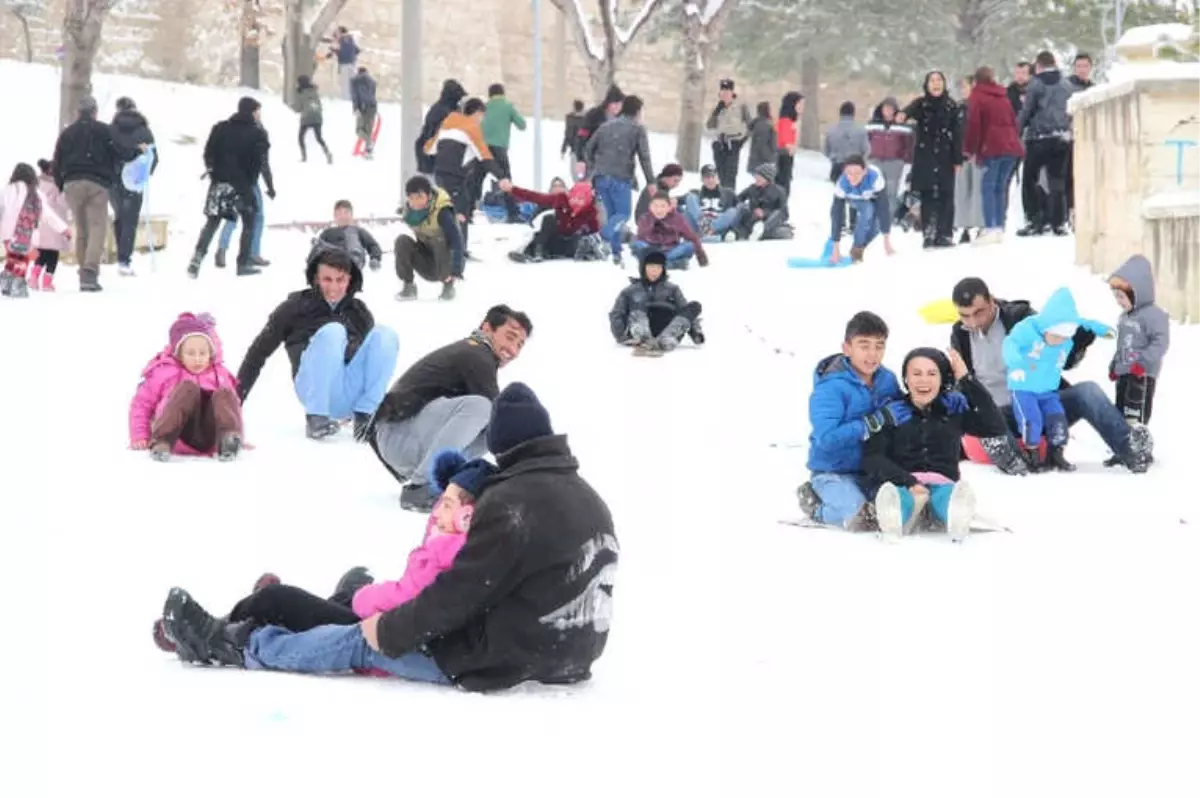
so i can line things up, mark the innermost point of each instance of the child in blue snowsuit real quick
(853, 398)
(1035, 351)
(863, 188)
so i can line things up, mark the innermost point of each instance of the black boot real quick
(1032, 229)
(1032, 458)
(1056, 460)
(319, 427)
(201, 638)
(362, 425)
(810, 502)
(357, 577)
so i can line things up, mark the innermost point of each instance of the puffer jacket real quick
(308, 101)
(49, 235)
(1144, 333)
(435, 555)
(839, 402)
(1044, 114)
(642, 296)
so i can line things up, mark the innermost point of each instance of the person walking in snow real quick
(764, 146)
(610, 154)
(451, 97)
(1046, 128)
(891, 144)
(610, 108)
(308, 105)
(730, 123)
(130, 130)
(571, 123)
(651, 314)
(499, 118)
(862, 188)
(1143, 337)
(341, 359)
(85, 164)
(434, 247)
(991, 139)
(233, 159)
(187, 402)
(366, 108)
(260, 217)
(936, 159)
(787, 137)
(50, 242)
(444, 401)
(968, 180)
(22, 212)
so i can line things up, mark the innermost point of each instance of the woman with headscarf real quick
(936, 158)
(891, 147)
(787, 138)
(968, 191)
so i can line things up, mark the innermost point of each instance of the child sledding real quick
(651, 314)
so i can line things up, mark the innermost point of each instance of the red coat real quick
(991, 123)
(569, 223)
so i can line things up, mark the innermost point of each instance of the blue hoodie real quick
(836, 407)
(1033, 365)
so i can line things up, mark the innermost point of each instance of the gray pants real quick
(409, 446)
(88, 202)
(892, 170)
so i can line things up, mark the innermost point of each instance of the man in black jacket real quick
(86, 161)
(341, 360)
(978, 337)
(129, 130)
(1022, 73)
(591, 122)
(443, 402)
(234, 156)
(452, 95)
(570, 143)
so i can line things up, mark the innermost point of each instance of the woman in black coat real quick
(916, 463)
(936, 158)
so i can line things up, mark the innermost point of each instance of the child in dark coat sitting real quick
(652, 314)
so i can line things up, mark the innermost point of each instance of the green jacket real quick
(498, 120)
(309, 102)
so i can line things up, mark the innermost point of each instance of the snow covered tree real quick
(701, 24)
(602, 57)
(22, 10)
(306, 23)
(83, 21)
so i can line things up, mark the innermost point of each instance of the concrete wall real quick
(1171, 240)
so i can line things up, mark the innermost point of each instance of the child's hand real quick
(138, 446)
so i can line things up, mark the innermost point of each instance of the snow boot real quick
(219, 259)
(448, 291)
(350, 583)
(416, 496)
(810, 502)
(319, 427)
(199, 637)
(1033, 459)
(160, 452)
(18, 288)
(229, 447)
(1056, 460)
(965, 238)
(1139, 451)
(47, 283)
(193, 269)
(1031, 230)
(34, 277)
(889, 513)
(407, 293)
(960, 512)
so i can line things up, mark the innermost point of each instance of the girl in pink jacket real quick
(51, 239)
(21, 213)
(187, 402)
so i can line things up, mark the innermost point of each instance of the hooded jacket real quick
(643, 296)
(1143, 333)
(236, 152)
(1035, 366)
(452, 95)
(129, 129)
(889, 141)
(991, 124)
(567, 221)
(837, 407)
(1044, 114)
(294, 322)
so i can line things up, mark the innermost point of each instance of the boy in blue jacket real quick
(863, 188)
(853, 398)
(1035, 352)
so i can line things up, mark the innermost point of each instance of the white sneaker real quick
(960, 512)
(889, 513)
(989, 237)
(756, 232)
(126, 270)
(730, 237)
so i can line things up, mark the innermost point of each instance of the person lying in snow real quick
(665, 230)
(565, 233)
(281, 627)
(187, 402)
(651, 314)
(916, 463)
(346, 234)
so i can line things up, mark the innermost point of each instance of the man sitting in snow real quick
(711, 209)
(664, 229)
(349, 236)
(978, 336)
(652, 314)
(863, 188)
(762, 208)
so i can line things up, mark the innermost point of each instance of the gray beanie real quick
(767, 170)
(88, 106)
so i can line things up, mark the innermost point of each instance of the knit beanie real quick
(517, 417)
(938, 357)
(451, 467)
(767, 170)
(189, 324)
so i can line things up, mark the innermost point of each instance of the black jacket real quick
(1011, 313)
(769, 198)
(129, 129)
(86, 150)
(298, 318)
(358, 242)
(452, 95)
(570, 142)
(463, 368)
(362, 92)
(529, 596)
(236, 152)
(932, 439)
(1016, 96)
(938, 142)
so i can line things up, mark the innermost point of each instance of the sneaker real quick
(730, 237)
(126, 270)
(259, 260)
(416, 496)
(810, 502)
(1031, 230)
(247, 270)
(219, 259)
(407, 293)
(889, 513)
(319, 427)
(960, 512)
(229, 447)
(448, 291)
(756, 232)
(193, 269)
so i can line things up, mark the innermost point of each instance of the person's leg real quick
(1028, 412)
(200, 430)
(865, 226)
(321, 141)
(181, 406)
(773, 224)
(330, 649)
(291, 608)
(369, 372)
(300, 138)
(726, 220)
(989, 189)
(945, 213)
(681, 251)
(841, 498)
(1054, 418)
(408, 447)
(320, 379)
(77, 201)
(97, 224)
(691, 210)
(622, 204)
(206, 235)
(1056, 163)
(1086, 401)
(928, 214)
(259, 223)
(226, 236)
(226, 414)
(678, 325)
(247, 210)
(784, 163)
(939, 501)
(1029, 191)
(733, 157)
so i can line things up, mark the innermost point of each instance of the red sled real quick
(358, 143)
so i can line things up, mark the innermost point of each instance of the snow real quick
(1172, 204)
(711, 9)
(745, 657)
(1125, 77)
(582, 19)
(1168, 32)
(643, 14)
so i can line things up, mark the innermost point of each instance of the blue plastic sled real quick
(823, 262)
(136, 174)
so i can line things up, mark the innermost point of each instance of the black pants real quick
(459, 187)
(785, 163)
(127, 207)
(1051, 155)
(413, 258)
(48, 260)
(294, 609)
(316, 129)
(548, 243)
(1135, 397)
(747, 220)
(937, 213)
(500, 156)
(246, 210)
(1069, 179)
(726, 155)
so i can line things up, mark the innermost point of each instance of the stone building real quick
(477, 41)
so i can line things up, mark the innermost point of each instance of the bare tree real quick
(21, 9)
(82, 24)
(702, 27)
(250, 25)
(602, 57)
(305, 26)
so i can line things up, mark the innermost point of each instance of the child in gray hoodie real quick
(1143, 336)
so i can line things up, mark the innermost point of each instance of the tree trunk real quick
(691, 105)
(82, 25)
(25, 32)
(300, 45)
(249, 74)
(810, 122)
(560, 61)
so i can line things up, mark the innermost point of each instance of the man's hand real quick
(370, 631)
(958, 366)
(505, 185)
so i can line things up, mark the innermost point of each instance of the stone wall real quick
(477, 41)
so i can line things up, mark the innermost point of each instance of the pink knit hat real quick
(189, 324)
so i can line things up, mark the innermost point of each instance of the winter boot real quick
(448, 291)
(810, 502)
(319, 427)
(34, 277)
(89, 281)
(247, 270)
(362, 425)
(856, 254)
(1139, 451)
(219, 259)
(160, 451)
(199, 637)
(18, 288)
(1056, 460)
(350, 583)
(194, 264)
(407, 293)
(47, 283)
(229, 447)
(960, 512)
(259, 261)
(266, 580)
(417, 497)
(1032, 229)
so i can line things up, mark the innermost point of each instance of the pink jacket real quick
(160, 377)
(435, 555)
(12, 199)
(50, 236)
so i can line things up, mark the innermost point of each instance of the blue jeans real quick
(866, 226)
(329, 386)
(332, 649)
(841, 497)
(681, 251)
(1087, 401)
(721, 224)
(231, 224)
(994, 187)
(1034, 411)
(616, 197)
(939, 501)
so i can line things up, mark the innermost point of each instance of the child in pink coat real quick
(51, 238)
(187, 402)
(21, 213)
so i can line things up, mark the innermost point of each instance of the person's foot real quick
(247, 270)
(160, 451)
(617, 261)
(1060, 231)
(229, 447)
(448, 291)
(943, 243)
(161, 640)
(1031, 230)
(1139, 451)
(416, 496)
(810, 502)
(259, 260)
(889, 512)
(18, 288)
(194, 265)
(319, 427)
(518, 257)
(356, 578)
(756, 232)
(960, 512)
(856, 254)
(1032, 458)
(407, 293)
(200, 637)
(965, 238)
(730, 236)
(126, 270)
(1056, 459)
(89, 281)
(219, 259)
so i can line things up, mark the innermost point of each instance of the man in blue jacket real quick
(853, 398)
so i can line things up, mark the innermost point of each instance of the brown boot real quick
(227, 418)
(856, 254)
(181, 406)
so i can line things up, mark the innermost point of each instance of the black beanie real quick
(938, 357)
(517, 417)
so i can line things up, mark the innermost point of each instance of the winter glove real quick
(696, 336)
(1138, 370)
(893, 414)
(375, 264)
(955, 403)
(271, 192)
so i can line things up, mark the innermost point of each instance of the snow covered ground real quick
(746, 657)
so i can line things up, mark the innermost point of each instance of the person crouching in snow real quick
(273, 628)
(187, 402)
(916, 463)
(1143, 336)
(651, 313)
(763, 207)
(665, 230)
(21, 212)
(346, 234)
(563, 233)
(864, 189)
(1035, 351)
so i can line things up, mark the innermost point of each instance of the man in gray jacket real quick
(730, 122)
(609, 156)
(1046, 128)
(845, 139)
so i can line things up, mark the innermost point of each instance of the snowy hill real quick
(746, 657)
